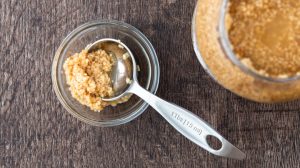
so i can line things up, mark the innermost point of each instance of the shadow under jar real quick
(215, 53)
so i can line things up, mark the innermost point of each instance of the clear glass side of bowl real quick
(146, 58)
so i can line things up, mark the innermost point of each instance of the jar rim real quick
(226, 46)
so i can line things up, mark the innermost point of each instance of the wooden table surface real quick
(36, 131)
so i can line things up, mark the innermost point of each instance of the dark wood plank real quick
(35, 130)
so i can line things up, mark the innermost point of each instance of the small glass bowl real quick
(145, 56)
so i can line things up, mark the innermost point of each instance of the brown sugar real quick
(87, 75)
(216, 61)
(265, 34)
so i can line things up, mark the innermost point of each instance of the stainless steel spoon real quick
(124, 79)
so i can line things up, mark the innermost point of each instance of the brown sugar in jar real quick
(266, 35)
(256, 53)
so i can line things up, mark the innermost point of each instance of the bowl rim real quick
(155, 76)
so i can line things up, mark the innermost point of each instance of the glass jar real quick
(214, 52)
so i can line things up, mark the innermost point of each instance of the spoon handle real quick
(188, 124)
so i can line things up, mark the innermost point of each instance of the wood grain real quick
(35, 130)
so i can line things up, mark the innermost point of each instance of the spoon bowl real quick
(124, 69)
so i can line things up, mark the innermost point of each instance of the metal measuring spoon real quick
(124, 81)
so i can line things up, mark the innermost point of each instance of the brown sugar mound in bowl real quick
(87, 74)
(265, 35)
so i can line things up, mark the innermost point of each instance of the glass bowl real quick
(146, 59)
